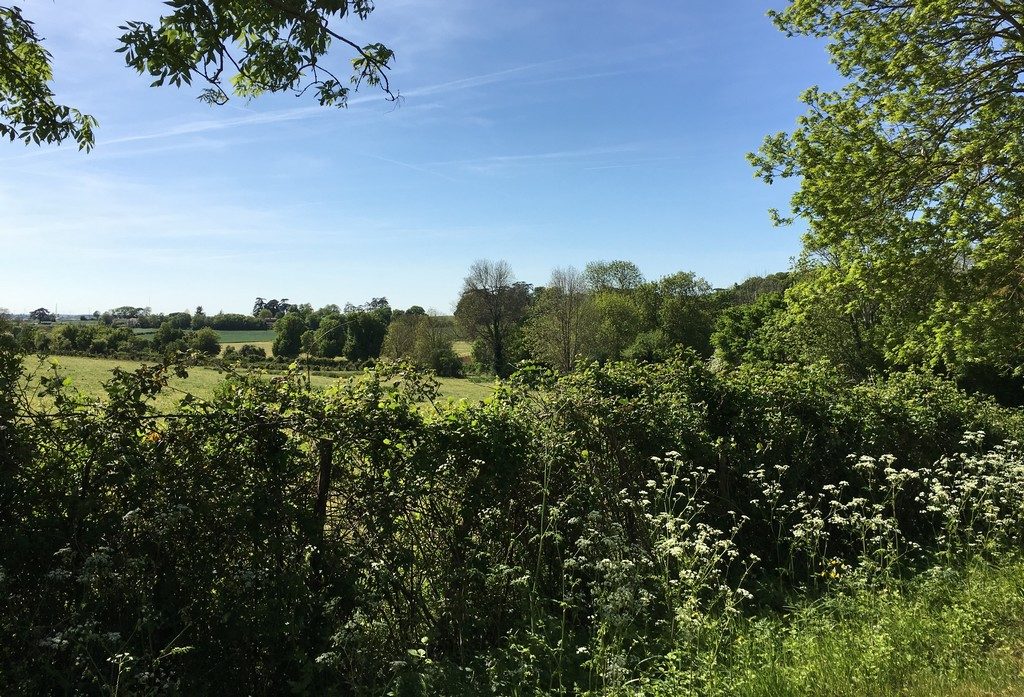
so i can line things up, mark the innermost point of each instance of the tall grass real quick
(944, 632)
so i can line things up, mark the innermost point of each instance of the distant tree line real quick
(606, 312)
(96, 339)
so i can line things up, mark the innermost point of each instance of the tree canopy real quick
(911, 175)
(491, 304)
(235, 47)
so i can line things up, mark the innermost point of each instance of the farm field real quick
(247, 336)
(262, 338)
(228, 336)
(88, 375)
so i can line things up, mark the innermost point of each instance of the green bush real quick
(205, 341)
(610, 529)
(250, 352)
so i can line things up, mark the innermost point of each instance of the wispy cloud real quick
(414, 167)
(578, 78)
(551, 157)
(260, 118)
(474, 81)
(642, 162)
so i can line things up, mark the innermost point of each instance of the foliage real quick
(130, 312)
(28, 108)
(685, 310)
(232, 322)
(247, 352)
(490, 307)
(562, 325)
(366, 332)
(742, 332)
(168, 336)
(204, 341)
(597, 532)
(288, 336)
(41, 314)
(271, 308)
(330, 337)
(910, 177)
(618, 324)
(946, 632)
(180, 320)
(424, 340)
(649, 320)
(240, 47)
(749, 290)
(81, 338)
(613, 275)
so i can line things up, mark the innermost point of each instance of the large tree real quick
(563, 326)
(425, 340)
(613, 275)
(686, 310)
(288, 336)
(41, 314)
(491, 305)
(240, 47)
(912, 176)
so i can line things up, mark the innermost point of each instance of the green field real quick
(267, 346)
(263, 338)
(88, 375)
(247, 336)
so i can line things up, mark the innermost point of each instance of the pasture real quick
(262, 338)
(88, 375)
(246, 336)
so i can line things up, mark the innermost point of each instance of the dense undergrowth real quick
(945, 631)
(627, 528)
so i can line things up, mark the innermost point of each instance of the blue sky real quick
(544, 133)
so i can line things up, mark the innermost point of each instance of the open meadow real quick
(463, 349)
(87, 375)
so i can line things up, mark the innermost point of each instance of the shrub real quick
(250, 352)
(204, 341)
(600, 532)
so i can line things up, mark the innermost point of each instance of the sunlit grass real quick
(254, 336)
(944, 632)
(87, 376)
